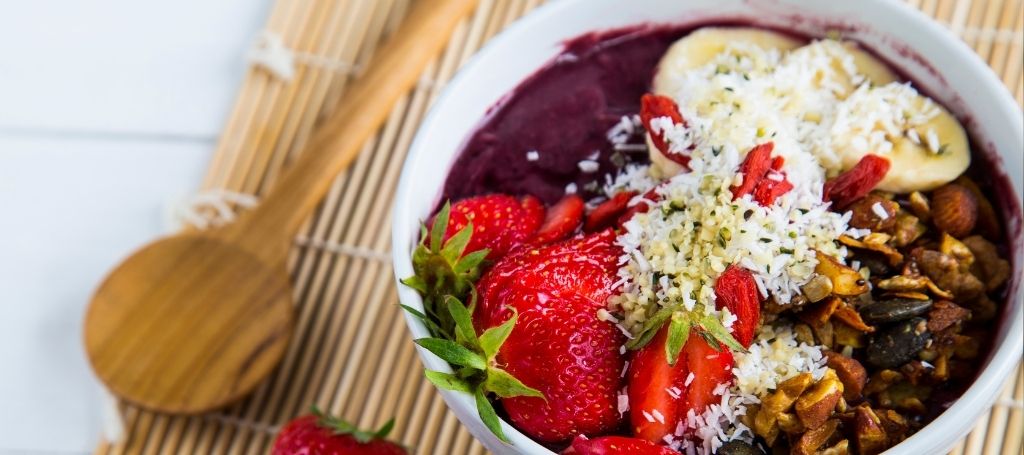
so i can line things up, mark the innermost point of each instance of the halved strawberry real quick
(657, 390)
(661, 395)
(857, 182)
(710, 367)
(562, 220)
(500, 221)
(657, 106)
(558, 345)
(736, 290)
(616, 445)
(607, 214)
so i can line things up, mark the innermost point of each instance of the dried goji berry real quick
(857, 182)
(737, 291)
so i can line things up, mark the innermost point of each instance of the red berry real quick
(562, 220)
(737, 291)
(616, 445)
(768, 190)
(558, 345)
(857, 182)
(314, 435)
(657, 106)
(659, 396)
(754, 167)
(607, 214)
(500, 222)
(657, 390)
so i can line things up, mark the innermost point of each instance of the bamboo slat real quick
(350, 354)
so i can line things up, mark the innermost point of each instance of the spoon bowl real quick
(189, 323)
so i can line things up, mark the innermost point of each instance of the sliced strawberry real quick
(607, 214)
(558, 345)
(736, 290)
(562, 220)
(616, 445)
(754, 167)
(857, 182)
(657, 390)
(640, 207)
(500, 222)
(710, 368)
(657, 106)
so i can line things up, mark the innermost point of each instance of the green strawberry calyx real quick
(444, 276)
(342, 427)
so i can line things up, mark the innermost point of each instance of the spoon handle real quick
(336, 141)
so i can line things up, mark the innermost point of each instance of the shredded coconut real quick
(532, 155)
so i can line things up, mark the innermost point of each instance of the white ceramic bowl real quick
(921, 48)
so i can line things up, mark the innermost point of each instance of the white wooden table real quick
(109, 110)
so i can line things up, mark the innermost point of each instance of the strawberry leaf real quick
(492, 338)
(464, 332)
(339, 426)
(714, 327)
(650, 328)
(507, 386)
(440, 226)
(456, 245)
(448, 381)
(471, 261)
(416, 283)
(453, 352)
(383, 431)
(678, 332)
(487, 414)
(431, 326)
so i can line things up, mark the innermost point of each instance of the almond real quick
(866, 216)
(954, 210)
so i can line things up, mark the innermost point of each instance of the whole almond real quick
(954, 210)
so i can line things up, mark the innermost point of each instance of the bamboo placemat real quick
(351, 354)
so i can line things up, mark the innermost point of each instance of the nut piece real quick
(766, 422)
(920, 206)
(991, 268)
(815, 406)
(908, 229)
(866, 216)
(817, 288)
(810, 441)
(870, 437)
(954, 210)
(944, 314)
(850, 372)
(840, 448)
(789, 423)
(845, 281)
(852, 318)
(818, 314)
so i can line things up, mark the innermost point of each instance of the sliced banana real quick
(935, 153)
(695, 50)
(849, 66)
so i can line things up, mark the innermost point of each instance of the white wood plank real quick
(70, 211)
(136, 66)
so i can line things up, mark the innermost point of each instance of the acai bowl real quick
(628, 307)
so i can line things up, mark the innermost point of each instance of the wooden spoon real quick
(195, 321)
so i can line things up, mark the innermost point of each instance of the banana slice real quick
(840, 76)
(935, 153)
(696, 50)
(701, 46)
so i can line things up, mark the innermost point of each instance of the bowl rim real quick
(978, 397)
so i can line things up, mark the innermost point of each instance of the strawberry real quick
(562, 220)
(737, 291)
(317, 434)
(657, 390)
(558, 346)
(710, 367)
(608, 213)
(657, 106)
(659, 396)
(616, 445)
(500, 222)
(857, 182)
